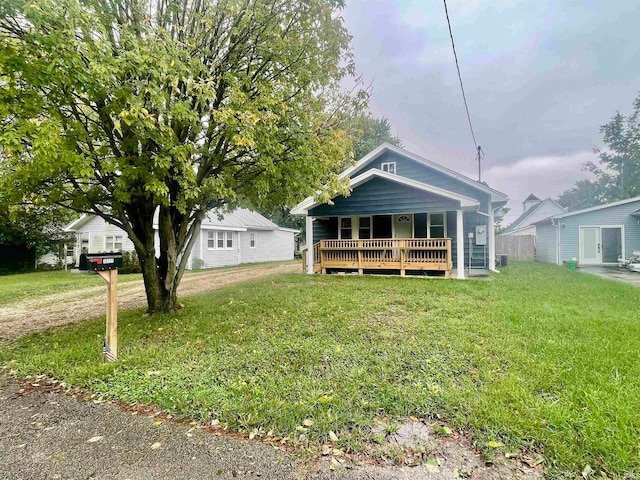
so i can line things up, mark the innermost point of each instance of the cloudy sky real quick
(540, 76)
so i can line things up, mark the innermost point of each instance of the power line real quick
(464, 97)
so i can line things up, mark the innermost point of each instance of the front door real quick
(403, 226)
(590, 246)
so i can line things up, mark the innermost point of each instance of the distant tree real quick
(371, 133)
(617, 173)
(149, 113)
(41, 228)
(584, 194)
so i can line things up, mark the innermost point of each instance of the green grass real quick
(538, 357)
(20, 286)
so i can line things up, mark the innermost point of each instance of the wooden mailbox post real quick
(106, 265)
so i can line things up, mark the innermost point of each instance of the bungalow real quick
(593, 236)
(405, 214)
(241, 236)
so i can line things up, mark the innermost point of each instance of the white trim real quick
(465, 202)
(500, 197)
(600, 227)
(225, 238)
(290, 230)
(460, 240)
(309, 233)
(599, 207)
(444, 223)
(492, 241)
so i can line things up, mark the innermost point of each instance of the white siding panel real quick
(271, 246)
(219, 257)
(546, 243)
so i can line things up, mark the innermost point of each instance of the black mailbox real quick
(96, 262)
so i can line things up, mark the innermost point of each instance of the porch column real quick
(492, 240)
(460, 244)
(309, 245)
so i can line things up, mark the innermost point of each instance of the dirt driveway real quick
(39, 313)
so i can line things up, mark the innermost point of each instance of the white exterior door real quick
(403, 226)
(590, 246)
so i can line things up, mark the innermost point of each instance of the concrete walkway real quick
(613, 273)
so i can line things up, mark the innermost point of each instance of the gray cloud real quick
(541, 77)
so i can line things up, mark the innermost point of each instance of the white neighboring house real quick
(534, 210)
(241, 236)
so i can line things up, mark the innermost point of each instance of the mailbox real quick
(96, 262)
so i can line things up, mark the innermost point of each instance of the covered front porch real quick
(402, 255)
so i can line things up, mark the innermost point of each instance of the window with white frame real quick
(364, 228)
(217, 240)
(437, 225)
(113, 243)
(388, 167)
(346, 230)
(252, 240)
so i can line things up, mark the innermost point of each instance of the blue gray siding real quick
(546, 243)
(617, 215)
(380, 197)
(408, 168)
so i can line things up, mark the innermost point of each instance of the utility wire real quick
(464, 97)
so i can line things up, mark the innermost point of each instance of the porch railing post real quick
(460, 243)
(309, 232)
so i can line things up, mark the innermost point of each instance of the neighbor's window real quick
(252, 240)
(345, 228)
(211, 239)
(113, 243)
(220, 243)
(364, 228)
(229, 239)
(388, 167)
(437, 225)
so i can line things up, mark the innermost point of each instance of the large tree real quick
(130, 109)
(617, 173)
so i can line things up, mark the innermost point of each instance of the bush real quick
(130, 263)
(197, 264)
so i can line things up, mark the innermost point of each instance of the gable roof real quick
(520, 222)
(465, 202)
(496, 196)
(593, 209)
(531, 197)
(240, 219)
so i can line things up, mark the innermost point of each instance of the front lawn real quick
(19, 286)
(538, 357)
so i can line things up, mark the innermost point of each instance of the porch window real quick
(388, 167)
(345, 228)
(220, 240)
(113, 243)
(437, 225)
(364, 228)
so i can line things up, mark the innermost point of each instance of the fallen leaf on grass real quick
(494, 444)
(156, 446)
(95, 439)
(333, 437)
(587, 471)
(307, 422)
